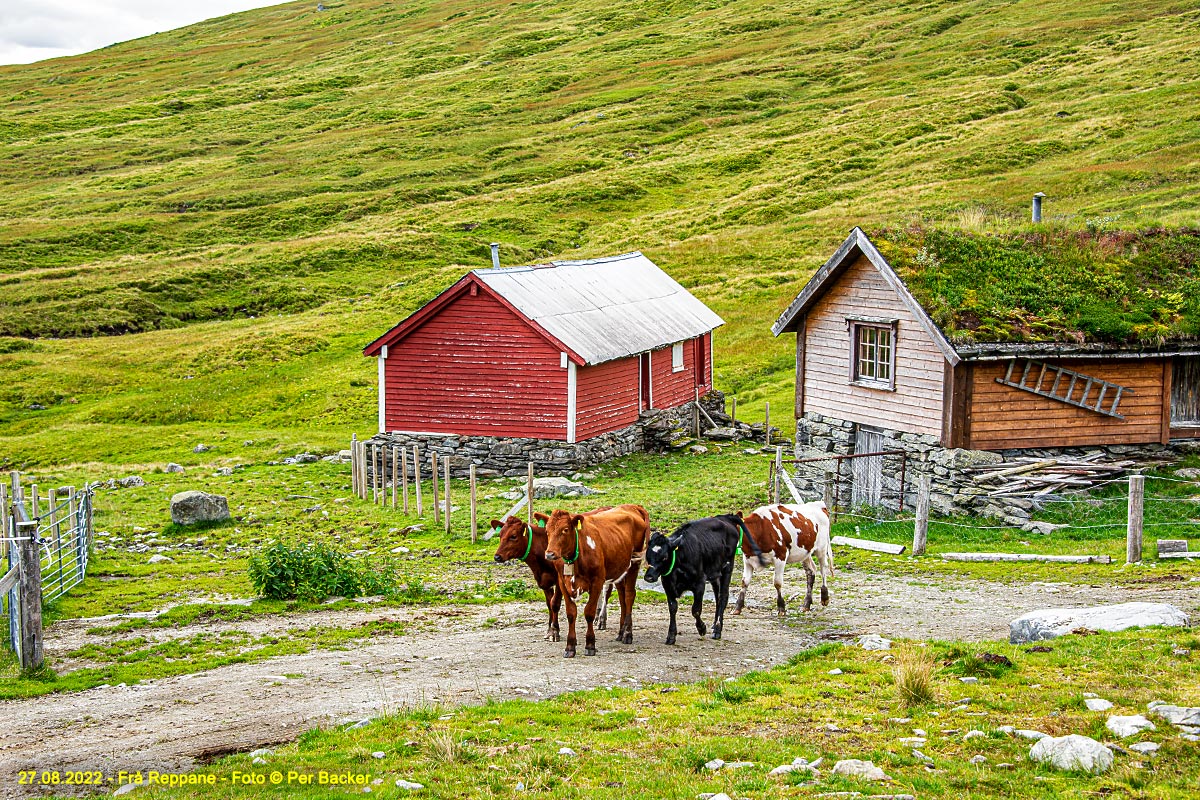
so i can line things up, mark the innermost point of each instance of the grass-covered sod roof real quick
(1080, 287)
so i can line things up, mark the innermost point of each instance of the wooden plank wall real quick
(673, 389)
(916, 404)
(606, 397)
(476, 369)
(1002, 417)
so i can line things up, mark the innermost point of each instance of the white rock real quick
(900, 720)
(1176, 715)
(873, 641)
(835, 671)
(1129, 726)
(159, 558)
(1028, 734)
(566, 751)
(919, 732)
(262, 751)
(1072, 752)
(1009, 729)
(1145, 748)
(410, 785)
(980, 759)
(912, 741)
(969, 679)
(973, 735)
(719, 796)
(1050, 623)
(259, 761)
(127, 788)
(782, 769)
(854, 768)
(378, 754)
(1097, 704)
(714, 765)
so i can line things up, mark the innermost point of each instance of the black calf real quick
(699, 552)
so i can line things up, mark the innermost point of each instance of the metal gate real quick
(867, 484)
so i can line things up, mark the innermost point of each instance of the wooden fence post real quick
(696, 411)
(417, 480)
(767, 425)
(446, 489)
(433, 458)
(404, 475)
(474, 520)
(1133, 532)
(37, 510)
(733, 417)
(921, 523)
(395, 477)
(529, 495)
(778, 475)
(827, 492)
(354, 463)
(31, 596)
(379, 484)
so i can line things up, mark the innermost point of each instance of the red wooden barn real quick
(562, 351)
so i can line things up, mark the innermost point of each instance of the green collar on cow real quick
(528, 541)
(566, 560)
(671, 568)
(741, 529)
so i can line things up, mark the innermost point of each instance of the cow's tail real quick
(763, 559)
(823, 535)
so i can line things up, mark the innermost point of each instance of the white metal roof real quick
(604, 308)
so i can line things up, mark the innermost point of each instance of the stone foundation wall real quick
(953, 490)
(658, 429)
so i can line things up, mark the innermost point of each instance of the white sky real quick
(32, 30)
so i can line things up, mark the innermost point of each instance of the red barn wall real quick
(476, 369)
(676, 388)
(606, 397)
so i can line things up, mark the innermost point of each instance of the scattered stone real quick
(1176, 715)
(901, 720)
(566, 751)
(1072, 752)
(919, 732)
(306, 458)
(1181, 652)
(1145, 748)
(1191, 473)
(854, 768)
(191, 507)
(1004, 765)
(714, 765)
(912, 741)
(159, 558)
(873, 641)
(362, 723)
(1050, 623)
(973, 735)
(131, 481)
(980, 759)
(224, 472)
(1028, 734)
(994, 658)
(127, 788)
(1041, 648)
(1097, 704)
(201, 448)
(698, 449)
(177, 468)
(546, 488)
(969, 679)
(258, 761)
(1129, 726)
(412, 786)
(261, 752)
(378, 754)
(835, 671)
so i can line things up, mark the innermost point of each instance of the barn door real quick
(867, 472)
(647, 394)
(1185, 392)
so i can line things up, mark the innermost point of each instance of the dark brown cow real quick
(795, 534)
(528, 543)
(592, 551)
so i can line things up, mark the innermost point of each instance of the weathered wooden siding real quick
(915, 406)
(476, 369)
(1002, 417)
(606, 397)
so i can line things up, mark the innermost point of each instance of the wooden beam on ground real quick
(867, 544)
(1183, 554)
(1026, 557)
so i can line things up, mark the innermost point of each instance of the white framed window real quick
(677, 357)
(873, 354)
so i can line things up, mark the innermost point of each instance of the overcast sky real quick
(31, 30)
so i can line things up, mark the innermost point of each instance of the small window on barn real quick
(677, 357)
(873, 362)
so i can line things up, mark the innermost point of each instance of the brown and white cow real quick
(528, 543)
(794, 534)
(591, 552)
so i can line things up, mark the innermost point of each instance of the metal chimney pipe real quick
(496, 254)
(1037, 206)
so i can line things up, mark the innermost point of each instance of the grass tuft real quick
(913, 675)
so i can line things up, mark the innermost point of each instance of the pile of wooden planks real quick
(1039, 477)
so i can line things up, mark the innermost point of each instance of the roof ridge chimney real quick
(495, 255)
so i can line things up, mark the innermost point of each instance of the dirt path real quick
(451, 657)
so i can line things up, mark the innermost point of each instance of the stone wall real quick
(953, 491)
(658, 429)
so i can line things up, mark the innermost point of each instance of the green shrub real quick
(314, 571)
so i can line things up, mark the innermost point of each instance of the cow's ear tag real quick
(568, 570)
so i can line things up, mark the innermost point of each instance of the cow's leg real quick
(549, 592)
(589, 613)
(673, 605)
(698, 607)
(721, 591)
(555, 601)
(602, 616)
(572, 612)
(810, 577)
(747, 575)
(626, 594)
(780, 565)
(824, 588)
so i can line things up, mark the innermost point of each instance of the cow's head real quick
(660, 555)
(516, 539)
(563, 535)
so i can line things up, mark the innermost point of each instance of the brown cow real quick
(528, 543)
(794, 534)
(592, 551)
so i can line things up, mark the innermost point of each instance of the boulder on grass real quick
(189, 508)
(1050, 623)
(1072, 752)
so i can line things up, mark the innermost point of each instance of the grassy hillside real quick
(200, 229)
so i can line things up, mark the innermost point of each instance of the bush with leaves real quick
(314, 571)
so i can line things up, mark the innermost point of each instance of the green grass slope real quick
(249, 200)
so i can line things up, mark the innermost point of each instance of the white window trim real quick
(856, 324)
(677, 364)
(572, 406)
(383, 353)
